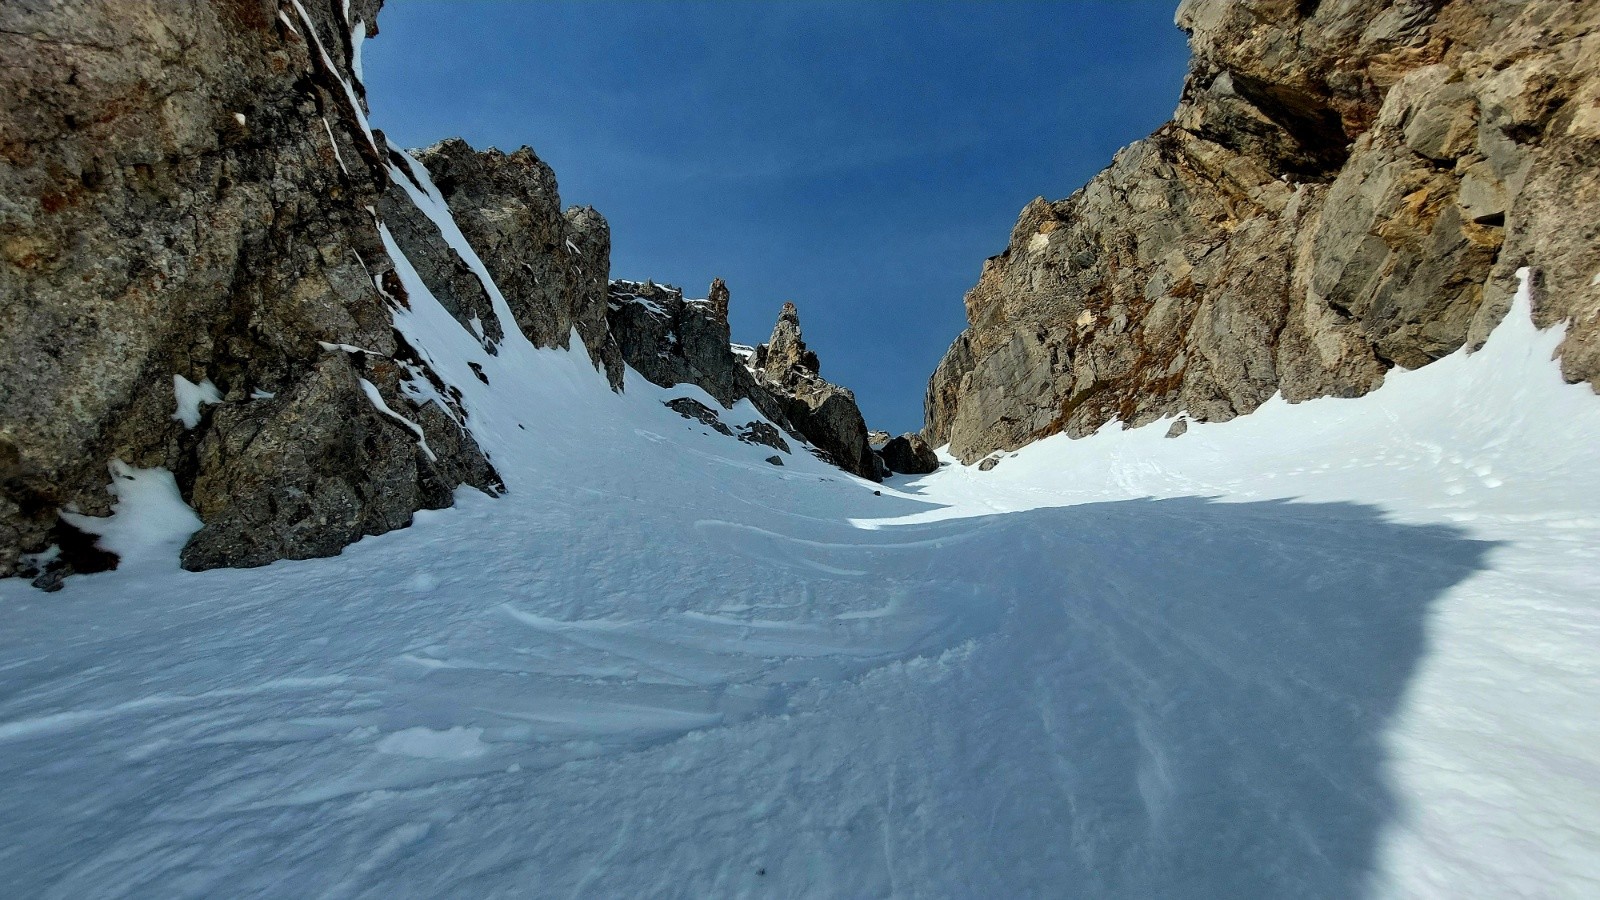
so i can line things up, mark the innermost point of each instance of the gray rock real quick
(1178, 429)
(705, 415)
(823, 413)
(552, 267)
(670, 340)
(186, 194)
(315, 468)
(763, 434)
(909, 454)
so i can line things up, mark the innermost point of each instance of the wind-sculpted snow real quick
(1306, 653)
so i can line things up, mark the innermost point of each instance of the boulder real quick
(909, 454)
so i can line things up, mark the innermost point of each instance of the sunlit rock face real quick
(1345, 187)
(187, 193)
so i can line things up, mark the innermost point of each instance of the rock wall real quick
(670, 340)
(1346, 186)
(192, 277)
(553, 266)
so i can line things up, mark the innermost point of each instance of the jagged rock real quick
(317, 467)
(785, 352)
(1178, 429)
(821, 412)
(909, 454)
(763, 434)
(670, 340)
(186, 193)
(552, 267)
(705, 415)
(1345, 187)
(877, 439)
(775, 460)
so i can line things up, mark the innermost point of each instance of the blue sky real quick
(861, 159)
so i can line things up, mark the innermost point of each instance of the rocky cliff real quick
(1346, 186)
(186, 245)
(210, 263)
(670, 340)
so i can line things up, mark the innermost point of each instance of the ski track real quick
(1345, 648)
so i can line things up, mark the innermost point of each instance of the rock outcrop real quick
(1345, 187)
(909, 454)
(186, 196)
(670, 341)
(822, 412)
(553, 266)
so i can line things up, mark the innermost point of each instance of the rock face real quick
(185, 194)
(194, 276)
(670, 340)
(552, 266)
(1346, 186)
(909, 454)
(822, 412)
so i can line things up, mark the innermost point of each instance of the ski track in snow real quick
(1344, 648)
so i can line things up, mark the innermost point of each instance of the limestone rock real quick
(186, 191)
(552, 266)
(314, 468)
(1344, 188)
(909, 454)
(821, 412)
(670, 340)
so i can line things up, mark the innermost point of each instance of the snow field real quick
(1343, 648)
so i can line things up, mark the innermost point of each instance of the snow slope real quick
(1345, 648)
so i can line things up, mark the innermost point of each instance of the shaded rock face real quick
(186, 189)
(552, 266)
(1345, 187)
(670, 340)
(909, 454)
(822, 412)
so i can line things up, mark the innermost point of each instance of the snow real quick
(1346, 647)
(149, 522)
(358, 36)
(190, 396)
(337, 156)
(651, 306)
